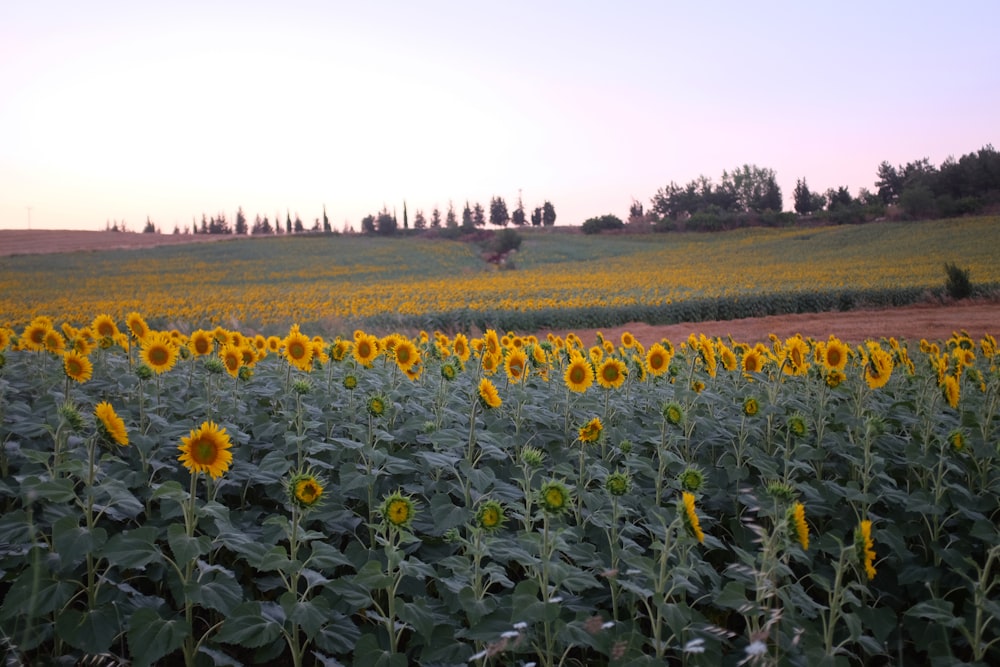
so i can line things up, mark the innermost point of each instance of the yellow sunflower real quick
(490, 516)
(579, 374)
(232, 359)
(491, 342)
(104, 327)
(611, 373)
(406, 354)
(691, 517)
(657, 359)
(489, 363)
(951, 390)
(554, 497)
(54, 342)
(727, 357)
(201, 342)
(591, 431)
(878, 366)
(365, 349)
(114, 427)
(516, 364)
(628, 340)
(797, 523)
(298, 349)
(835, 354)
(305, 490)
(864, 545)
(753, 360)
(488, 395)
(33, 336)
(460, 346)
(137, 325)
(206, 450)
(796, 360)
(77, 366)
(5, 337)
(158, 352)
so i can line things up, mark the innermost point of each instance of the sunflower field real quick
(562, 280)
(213, 497)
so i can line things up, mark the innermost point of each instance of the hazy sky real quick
(119, 110)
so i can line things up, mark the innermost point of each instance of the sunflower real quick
(206, 450)
(750, 406)
(727, 357)
(834, 378)
(54, 342)
(84, 343)
(611, 373)
(554, 497)
(618, 483)
(232, 359)
(957, 440)
(489, 363)
(490, 516)
(298, 349)
(491, 342)
(398, 510)
(691, 479)
(5, 337)
(591, 431)
(835, 354)
(515, 364)
(878, 366)
(796, 360)
(33, 336)
(158, 352)
(449, 371)
(137, 325)
(628, 340)
(657, 359)
(797, 425)
(797, 523)
(305, 490)
(406, 354)
(201, 342)
(864, 547)
(691, 517)
(673, 413)
(950, 389)
(460, 346)
(579, 374)
(77, 366)
(110, 424)
(376, 405)
(488, 396)
(753, 361)
(365, 349)
(104, 327)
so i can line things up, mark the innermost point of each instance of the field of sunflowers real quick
(336, 283)
(213, 496)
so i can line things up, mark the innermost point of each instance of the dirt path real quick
(925, 320)
(36, 242)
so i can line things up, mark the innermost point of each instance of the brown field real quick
(933, 320)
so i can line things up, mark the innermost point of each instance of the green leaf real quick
(326, 557)
(339, 635)
(171, 490)
(936, 611)
(35, 593)
(151, 637)
(134, 549)
(308, 615)
(59, 491)
(251, 625)
(185, 549)
(216, 590)
(73, 542)
(419, 615)
(90, 631)
(369, 653)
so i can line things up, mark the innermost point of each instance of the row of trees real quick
(473, 217)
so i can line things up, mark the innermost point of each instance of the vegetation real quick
(220, 498)
(602, 223)
(563, 280)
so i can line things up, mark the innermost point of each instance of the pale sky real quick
(123, 110)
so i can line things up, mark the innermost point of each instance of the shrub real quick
(601, 223)
(958, 286)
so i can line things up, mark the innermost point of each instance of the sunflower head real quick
(350, 382)
(377, 404)
(591, 431)
(490, 516)
(864, 548)
(797, 425)
(618, 483)
(449, 371)
(206, 450)
(398, 510)
(690, 517)
(77, 366)
(302, 387)
(215, 366)
(750, 406)
(554, 497)
(797, 526)
(579, 374)
(71, 416)
(673, 413)
(488, 396)
(957, 440)
(532, 457)
(110, 426)
(611, 373)
(305, 489)
(781, 491)
(691, 479)
(834, 378)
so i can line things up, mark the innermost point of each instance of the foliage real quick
(800, 513)
(958, 284)
(564, 279)
(601, 223)
(747, 189)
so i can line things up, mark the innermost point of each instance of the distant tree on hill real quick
(288, 222)
(298, 227)
(241, 222)
(518, 217)
(406, 220)
(806, 201)
(150, 228)
(498, 212)
(478, 215)
(536, 217)
(548, 214)
(368, 224)
(436, 217)
(451, 220)
(602, 223)
(419, 221)
(385, 224)
(326, 221)
(467, 221)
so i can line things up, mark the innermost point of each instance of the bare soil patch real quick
(42, 241)
(930, 320)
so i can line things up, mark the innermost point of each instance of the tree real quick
(368, 224)
(889, 183)
(548, 214)
(635, 210)
(536, 217)
(204, 224)
(385, 224)
(518, 217)
(241, 222)
(406, 220)
(420, 222)
(436, 218)
(451, 220)
(478, 215)
(917, 201)
(806, 201)
(601, 223)
(750, 189)
(467, 217)
(298, 224)
(498, 212)
(326, 221)
(839, 198)
(288, 222)
(150, 228)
